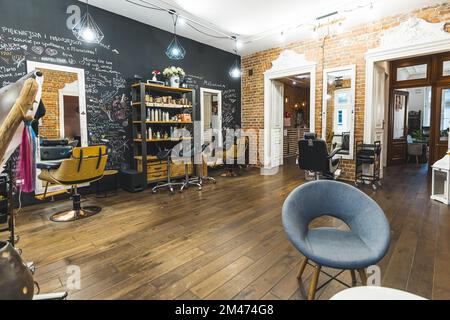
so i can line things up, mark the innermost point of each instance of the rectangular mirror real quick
(63, 108)
(211, 115)
(338, 109)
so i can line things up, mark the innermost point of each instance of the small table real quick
(105, 174)
(375, 293)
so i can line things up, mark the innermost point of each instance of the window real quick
(412, 72)
(446, 68)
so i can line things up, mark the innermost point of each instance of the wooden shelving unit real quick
(145, 147)
(158, 87)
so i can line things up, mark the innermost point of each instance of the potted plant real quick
(174, 74)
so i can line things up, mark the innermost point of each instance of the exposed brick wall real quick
(53, 81)
(340, 50)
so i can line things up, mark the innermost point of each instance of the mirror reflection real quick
(339, 102)
(60, 96)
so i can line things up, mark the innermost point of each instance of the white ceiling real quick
(258, 24)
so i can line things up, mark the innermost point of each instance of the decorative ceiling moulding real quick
(290, 59)
(414, 31)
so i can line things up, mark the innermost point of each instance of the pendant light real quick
(87, 30)
(235, 71)
(175, 50)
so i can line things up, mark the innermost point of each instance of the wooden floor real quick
(226, 242)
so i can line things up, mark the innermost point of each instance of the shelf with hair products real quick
(160, 113)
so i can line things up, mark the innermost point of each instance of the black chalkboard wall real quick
(36, 30)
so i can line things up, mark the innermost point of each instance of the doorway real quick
(419, 109)
(288, 64)
(296, 113)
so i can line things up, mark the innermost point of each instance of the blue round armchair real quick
(365, 244)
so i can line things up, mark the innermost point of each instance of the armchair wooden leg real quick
(363, 276)
(352, 272)
(302, 267)
(314, 281)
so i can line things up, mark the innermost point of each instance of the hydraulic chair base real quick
(76, 213)
(196, 181)
(73, 215)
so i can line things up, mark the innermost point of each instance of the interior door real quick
(277, 124)
(379, 103)
(442, 123)
(397, 127)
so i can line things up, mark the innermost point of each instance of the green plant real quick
(418, 135)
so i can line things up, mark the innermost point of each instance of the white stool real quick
(374, 293)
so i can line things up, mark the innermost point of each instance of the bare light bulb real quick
(88, 35)
(176, 52)
(181, 21)
(235, 73)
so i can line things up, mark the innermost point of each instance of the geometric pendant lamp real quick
(87, 30)
(175, 50)
(235, 70)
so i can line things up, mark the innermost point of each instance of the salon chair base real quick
(73, 215)
(195, 181)
(208, 178)
(76, 213)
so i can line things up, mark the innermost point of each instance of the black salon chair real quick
(314, 156)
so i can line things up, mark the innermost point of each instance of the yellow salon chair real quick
(87, 164)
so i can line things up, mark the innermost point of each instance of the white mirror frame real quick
(34, 65)
(202, 113)
(352, 69)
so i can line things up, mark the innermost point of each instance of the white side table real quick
(375, 293)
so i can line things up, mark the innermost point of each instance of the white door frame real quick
(415, 37)
(289, 63)
(34, 65)
(202, 113)
(352, 89)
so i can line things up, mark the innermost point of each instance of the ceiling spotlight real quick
(340, 28)
(282, 36)
(181, 21)
(239, 44)
(315, 33)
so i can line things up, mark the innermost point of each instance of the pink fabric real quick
(27, 168)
